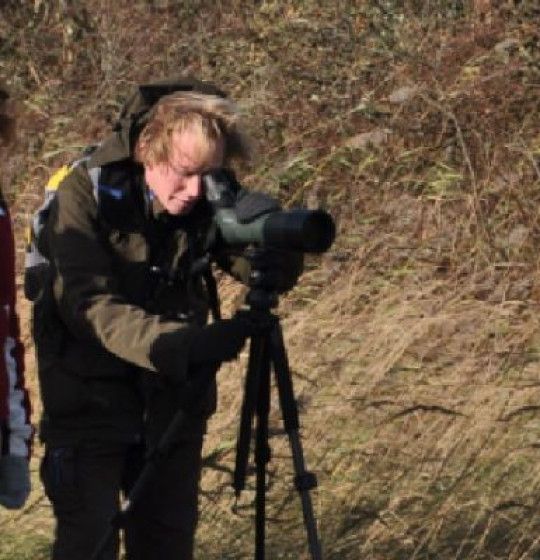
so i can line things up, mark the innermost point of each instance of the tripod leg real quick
(304, 480)
(262, 452)
(251, 391)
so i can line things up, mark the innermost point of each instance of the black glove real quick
(221, 341)
(172, 354)
(274, 269)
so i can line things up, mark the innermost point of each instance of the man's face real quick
(177, 184)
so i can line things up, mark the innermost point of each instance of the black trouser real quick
(84, 484)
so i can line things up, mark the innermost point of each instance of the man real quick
(121, 326)
(15, 428)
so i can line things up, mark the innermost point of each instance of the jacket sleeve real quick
(86, 288)
(16, 430)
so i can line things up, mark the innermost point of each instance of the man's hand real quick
(209, 345)
(221, 341)
(14, 481)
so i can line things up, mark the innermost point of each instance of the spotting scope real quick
(243, 218)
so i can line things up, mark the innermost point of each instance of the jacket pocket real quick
(91, 361)
(62, 393)
(60, 478)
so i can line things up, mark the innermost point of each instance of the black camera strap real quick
(203, 266)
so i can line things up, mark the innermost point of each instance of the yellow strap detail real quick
(58, 177)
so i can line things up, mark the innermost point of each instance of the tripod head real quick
(261, 296)
(260, 299)
(272, 272)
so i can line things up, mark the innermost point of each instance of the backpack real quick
(133, 116)
(36, 263)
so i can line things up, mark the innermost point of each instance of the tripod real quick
(268, 349)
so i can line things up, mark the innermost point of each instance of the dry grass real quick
(415, 341)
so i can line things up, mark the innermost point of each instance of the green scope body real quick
(266, 225)
(306, 231)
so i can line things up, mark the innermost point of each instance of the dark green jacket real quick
(120, 280)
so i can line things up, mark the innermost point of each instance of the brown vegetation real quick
(415, 341)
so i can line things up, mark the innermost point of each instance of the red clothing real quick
(16, 430)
